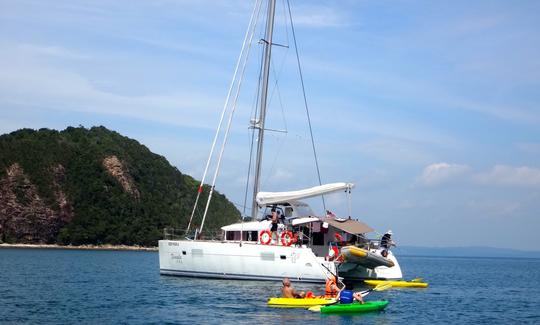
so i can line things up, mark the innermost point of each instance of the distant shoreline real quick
(81, 247)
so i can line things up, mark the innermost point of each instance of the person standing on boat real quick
(287, 291)
(386, 240)
(274, 224)
(386, 243)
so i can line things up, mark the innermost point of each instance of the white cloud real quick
(439, 173)
(509, 175)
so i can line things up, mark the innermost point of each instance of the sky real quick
(430, 107)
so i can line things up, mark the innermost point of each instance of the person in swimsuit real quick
(287, 291)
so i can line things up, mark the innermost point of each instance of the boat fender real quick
(384, 253)
(287, 238)
(346, 297)
(265, 237)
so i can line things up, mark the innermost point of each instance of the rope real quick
(233, 108)
(305, 101)
(200, 188)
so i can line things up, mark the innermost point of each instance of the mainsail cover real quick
(265, 198)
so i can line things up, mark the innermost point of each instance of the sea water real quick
(111, 287)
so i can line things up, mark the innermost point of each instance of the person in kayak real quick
(358, 297)
(331, 290)
(287, 291)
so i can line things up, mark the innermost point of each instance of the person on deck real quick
(386, 240)
(287, 291)
(274, 224)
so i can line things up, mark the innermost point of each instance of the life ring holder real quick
(265, 237)
(287, 238)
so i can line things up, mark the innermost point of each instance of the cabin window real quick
(318, 238)
(183, 252)
(283, 257)
(247, 235)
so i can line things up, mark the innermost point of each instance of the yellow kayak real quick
(398, 284)
(299, 302)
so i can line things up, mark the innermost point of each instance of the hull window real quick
(197, 252)
(267, 256)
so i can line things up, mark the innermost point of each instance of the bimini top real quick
(265, 198)
(350, 226)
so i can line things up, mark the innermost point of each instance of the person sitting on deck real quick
(287, 291)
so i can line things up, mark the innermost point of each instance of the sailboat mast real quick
(259, 125)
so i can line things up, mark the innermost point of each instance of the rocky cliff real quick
(92, 186)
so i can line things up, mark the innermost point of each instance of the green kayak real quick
(354, 307)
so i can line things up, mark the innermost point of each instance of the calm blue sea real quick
(96, 287)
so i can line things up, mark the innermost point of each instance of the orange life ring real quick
(287, 238)
(265, 237)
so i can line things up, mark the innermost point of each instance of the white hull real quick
(249, 261)
(252, 261)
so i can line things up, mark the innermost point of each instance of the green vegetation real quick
(103, 212)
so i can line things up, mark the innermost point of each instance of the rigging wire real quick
(305, 100)
(253, 117)
(251, 33)
(276, 90)
(225, 106)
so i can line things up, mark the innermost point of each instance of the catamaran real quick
(304, 246)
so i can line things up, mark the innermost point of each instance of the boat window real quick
(318, 238)
(197, 252)
(247, 235)
(251, 236)
(267, 256)
(283, 257)
(183, 252)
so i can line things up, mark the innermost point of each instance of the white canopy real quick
(248, 226)
(301, 221)
(264, 198)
